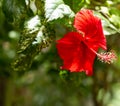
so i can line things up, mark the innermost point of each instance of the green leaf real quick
(33, 24)
(109, 28)
(55, 9)
(116, 20)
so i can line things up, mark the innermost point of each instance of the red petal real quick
(91, 26)
(75, 54)
(67, 45)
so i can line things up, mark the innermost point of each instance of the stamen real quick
(107, 57)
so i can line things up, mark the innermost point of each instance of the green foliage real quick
(16, 12)
(28, 30)
(31, 43)
(55, 9)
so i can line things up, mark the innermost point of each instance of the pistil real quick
(107, 57)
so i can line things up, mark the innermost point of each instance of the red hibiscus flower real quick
(79, 49)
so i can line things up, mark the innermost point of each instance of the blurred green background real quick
(44, 84)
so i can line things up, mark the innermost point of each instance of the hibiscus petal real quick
(68, 44)
(75, 54)
(90, 57)
(91, 26)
